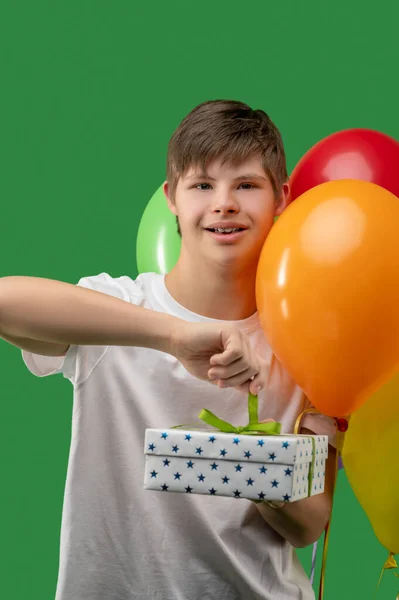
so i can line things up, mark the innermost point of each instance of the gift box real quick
(254, 462)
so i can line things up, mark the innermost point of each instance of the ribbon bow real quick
(253, 427)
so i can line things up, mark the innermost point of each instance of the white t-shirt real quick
(121, 542)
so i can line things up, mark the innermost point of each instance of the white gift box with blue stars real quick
(265, 467)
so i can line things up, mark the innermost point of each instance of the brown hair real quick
(231, 132)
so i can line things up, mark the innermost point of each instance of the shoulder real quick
(136, 291)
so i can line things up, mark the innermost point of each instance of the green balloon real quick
(158, 243)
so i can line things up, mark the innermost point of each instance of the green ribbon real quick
(311, 467)
(252, 428)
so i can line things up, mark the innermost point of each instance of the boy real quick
(143, 354)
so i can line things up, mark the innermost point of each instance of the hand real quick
(220, 353)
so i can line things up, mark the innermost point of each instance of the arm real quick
(46, 317)
(35, 346)
(302, 523)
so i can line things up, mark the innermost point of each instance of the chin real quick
(236, 260)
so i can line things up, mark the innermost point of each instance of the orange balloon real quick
(328, 292)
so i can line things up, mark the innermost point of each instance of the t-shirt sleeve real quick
(79, 361)
(320, 425)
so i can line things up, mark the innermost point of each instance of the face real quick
(226, 213)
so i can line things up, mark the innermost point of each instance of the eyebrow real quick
(239, 178)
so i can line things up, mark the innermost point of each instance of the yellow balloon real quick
(371, 460)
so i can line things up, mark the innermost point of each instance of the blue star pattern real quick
(227, 478)
(273, 467)
(287, 449)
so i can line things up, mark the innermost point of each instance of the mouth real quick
(226, 235)
(225, 230)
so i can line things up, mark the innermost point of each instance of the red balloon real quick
(362, 154)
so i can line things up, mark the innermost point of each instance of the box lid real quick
(277, 449)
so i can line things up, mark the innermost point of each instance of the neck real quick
(218, 293)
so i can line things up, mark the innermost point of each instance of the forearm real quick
(58, 312)
(300, 523)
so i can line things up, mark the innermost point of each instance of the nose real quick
(225, 203)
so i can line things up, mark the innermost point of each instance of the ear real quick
(171, 204)
(284, 200)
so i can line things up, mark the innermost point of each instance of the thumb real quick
(232, 348)
(258, 383)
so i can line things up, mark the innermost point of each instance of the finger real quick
(268, 421)
(244, 374)
(257, 384)
(249, 387)
(237, 380)
(244, 388)
(227, 357)
(224, 372)
(234, 348)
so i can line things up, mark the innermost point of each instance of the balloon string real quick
(327, 528)
(390, 563)
(314, 558)
(327, 534)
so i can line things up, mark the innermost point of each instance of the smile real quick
(226, 235)
(225, 230)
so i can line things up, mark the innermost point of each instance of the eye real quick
(247, 186)
(203, 186)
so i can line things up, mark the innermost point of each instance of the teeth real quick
(220, 230)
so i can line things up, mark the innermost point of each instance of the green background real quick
(90, 93)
